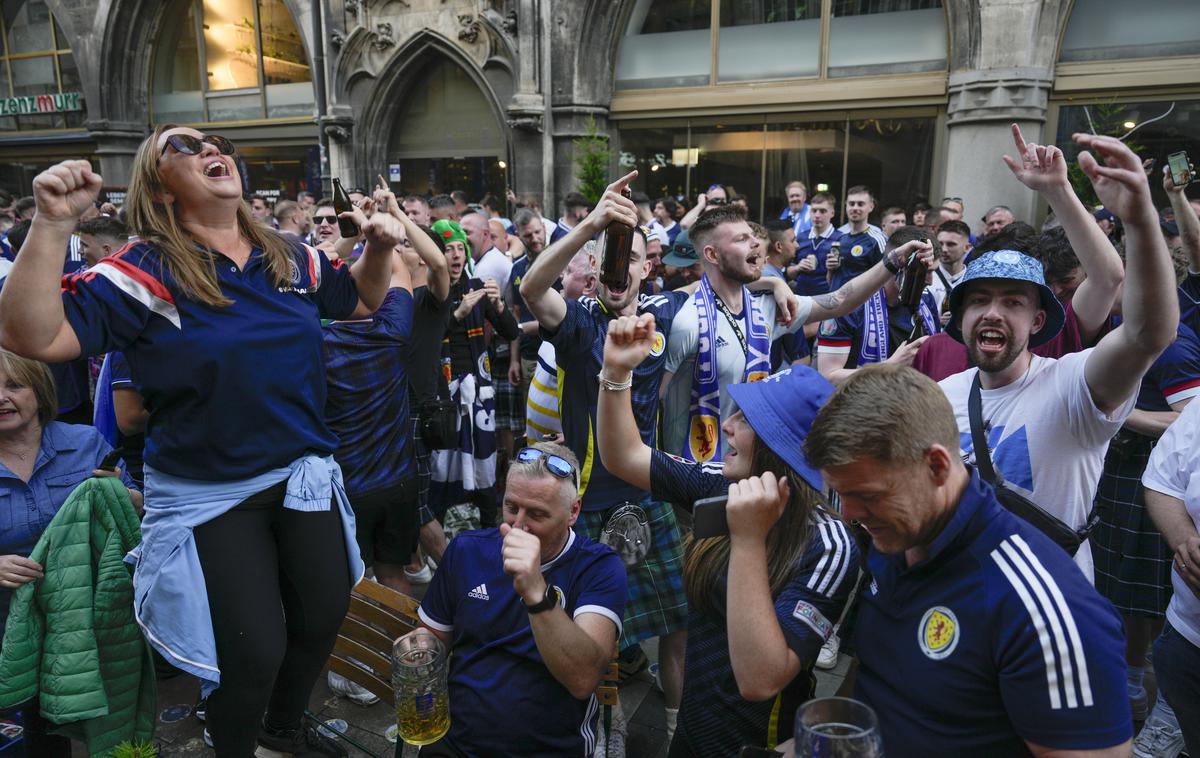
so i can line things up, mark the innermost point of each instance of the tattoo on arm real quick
(833, 300)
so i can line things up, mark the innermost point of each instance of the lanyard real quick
(733, 322)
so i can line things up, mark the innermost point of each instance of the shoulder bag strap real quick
(983, 456)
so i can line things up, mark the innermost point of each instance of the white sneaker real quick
(359, 694)
(1159, 738)
(424, 576)
(828, 657)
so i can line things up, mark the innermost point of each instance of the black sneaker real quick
(305, 742)
(201, 709)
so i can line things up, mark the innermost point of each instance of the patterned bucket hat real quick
(1009, 264)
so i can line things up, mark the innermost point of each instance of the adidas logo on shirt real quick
(721, 341)
(479, 593)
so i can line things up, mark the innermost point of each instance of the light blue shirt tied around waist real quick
(170, 599)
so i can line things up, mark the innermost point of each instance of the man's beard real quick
(729, 271)
(993, 363)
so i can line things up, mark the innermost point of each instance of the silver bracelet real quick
(611, 386)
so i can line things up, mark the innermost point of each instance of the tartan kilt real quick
(1133, 562)
(510, 414)
(655, 603)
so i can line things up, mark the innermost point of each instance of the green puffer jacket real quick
(71, 639)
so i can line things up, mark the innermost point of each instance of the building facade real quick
(913, 98)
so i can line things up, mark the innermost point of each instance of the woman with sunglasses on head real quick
(762, 600)
(248, 553)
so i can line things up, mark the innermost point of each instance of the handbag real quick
(439, 419)
(1063, 535)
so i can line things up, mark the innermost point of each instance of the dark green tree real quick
(592, 159)
(1107, 119)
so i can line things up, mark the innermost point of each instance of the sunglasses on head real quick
(189, 145)
(952, 200)
(331, 220)
(556, 465)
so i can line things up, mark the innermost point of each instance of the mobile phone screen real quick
(1180, 168)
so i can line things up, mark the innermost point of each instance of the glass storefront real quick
(231, 60)
(1109, 29)
(759, 155)
(39, 81)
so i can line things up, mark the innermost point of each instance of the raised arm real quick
(537, 287)
(438, 276)
(1149, 305)
(690, 217)
(32, 320)
(855, 292)
(629, 341)
(1043, 169)
(1185, 217)
(372, 271)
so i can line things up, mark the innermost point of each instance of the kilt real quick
(1133, 562)
(508, 415)
(421, 459)
(655, 603)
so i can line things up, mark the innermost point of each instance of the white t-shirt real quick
(682, 345)
(494, 265)
(1047, 439)
(1174, 469)
(938, 289)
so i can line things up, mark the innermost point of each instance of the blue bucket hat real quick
(1009, 264)
(683, 252)
(781, 410)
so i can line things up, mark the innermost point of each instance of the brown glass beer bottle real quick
(618, 248)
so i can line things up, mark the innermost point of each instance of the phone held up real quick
(708, 517)
(1180, 168)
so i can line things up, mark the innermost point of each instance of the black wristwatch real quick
(549, 600)
(887, 263)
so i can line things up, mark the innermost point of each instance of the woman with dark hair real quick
(762, 600)
(248, 554)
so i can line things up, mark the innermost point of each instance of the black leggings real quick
(278, 588)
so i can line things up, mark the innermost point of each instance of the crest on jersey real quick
(703, 438)
(857, 251)
(937, 634)
(659, 345)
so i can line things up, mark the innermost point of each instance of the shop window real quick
(231, 60)
(669, 43)
(1112, 29)
(39, 81)
(666, 44)
(758, 156)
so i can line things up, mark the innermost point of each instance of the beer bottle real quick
(341, 204)
(910, 293)
(618, 248)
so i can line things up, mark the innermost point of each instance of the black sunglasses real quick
(331, 220)
(556, 465)
(189, 145)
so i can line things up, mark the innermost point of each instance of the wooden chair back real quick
(377, 616)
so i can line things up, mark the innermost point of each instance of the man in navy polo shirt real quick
(816, 246)
(863, 243)
(976, 635)
(532, 611)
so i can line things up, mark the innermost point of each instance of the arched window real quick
(39, 83)
(230, 60)
(446, 135)
(671, 43)
(1114, 29)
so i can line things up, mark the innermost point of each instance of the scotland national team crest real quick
(703, 438)
(660, 344)
(937, 634)
(857, 251)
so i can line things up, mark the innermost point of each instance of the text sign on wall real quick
(30, 104)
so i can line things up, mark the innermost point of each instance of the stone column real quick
(983, 106)
(116, 145)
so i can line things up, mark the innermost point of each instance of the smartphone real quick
(708, 517)
(1180, 167)
(112, 459)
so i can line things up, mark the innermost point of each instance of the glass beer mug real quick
(419, 671)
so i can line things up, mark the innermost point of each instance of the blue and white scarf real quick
(704, 413)
(875, 347)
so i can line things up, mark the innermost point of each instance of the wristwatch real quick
(549, 600)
